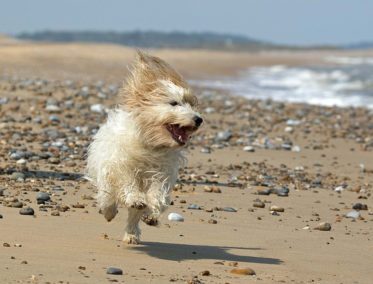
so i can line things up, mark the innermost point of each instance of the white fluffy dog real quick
(135, 156)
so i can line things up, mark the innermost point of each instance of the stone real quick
(18, 176)
(223, 136)
(264, 191)
(243, 271)
(353, 214)
(205, 273)
(228, 209)
(249, 149)
(282, 191)
(212, 221)
(323, 226)
(17, 204)
(194, 207)
(42, 197)
(259, 204)
(99, 108)
(360, 206)
(114, 271)
(175, 217)
(27, 211)
(276, 208)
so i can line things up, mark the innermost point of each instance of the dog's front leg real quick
(132, 230)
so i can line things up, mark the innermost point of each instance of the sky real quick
(300, 22)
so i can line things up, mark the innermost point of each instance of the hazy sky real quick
(281, 21)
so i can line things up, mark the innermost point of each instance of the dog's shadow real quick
(180, 252)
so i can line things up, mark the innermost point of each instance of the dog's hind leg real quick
(132, 231)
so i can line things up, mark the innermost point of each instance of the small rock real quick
(276, 208)
(205, 273)
(17, 204)
(265, 191)
(228, 209)
(212, 221)
(42, 197)
(243, 271)
(27, 211)
(99, 108)
(1, 216)
(282, 191)
(223, 136)
(360, 206)
(259, 204)
(194, 207)
(205, 150)
(114, 271)
(175, 217)
(17, 176)
(323, 226)
(55, 213)
(353, 214)
(249, 149)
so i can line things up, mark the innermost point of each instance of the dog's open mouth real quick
(180, 134)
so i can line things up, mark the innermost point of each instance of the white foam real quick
(320, 86)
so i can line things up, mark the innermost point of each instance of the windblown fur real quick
(135, 156)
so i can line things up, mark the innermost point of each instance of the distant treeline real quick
(155, 39)
(152, 39)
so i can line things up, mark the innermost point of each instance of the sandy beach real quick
(282, 189)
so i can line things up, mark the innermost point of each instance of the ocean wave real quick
(328, 86)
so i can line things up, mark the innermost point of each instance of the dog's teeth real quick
(180, 137)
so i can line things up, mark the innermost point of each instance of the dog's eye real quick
(174, 103)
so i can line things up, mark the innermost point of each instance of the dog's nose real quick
(198, 120)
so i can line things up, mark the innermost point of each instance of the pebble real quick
(243, 271)
(194, 207)
(27, 211)
(339, 189)
(276, 208)
(353, 214)
(205, 273)
(1, 216)
(42, 197)
(55, 213)
(360, 206)
(265, 191)
(259, 204)
(18, 176)
(99, 108)
(228, 209)
(323, 226)
(205, 150)
(249, 149)
(17, 204)
(212, 221)
(223, 136)
(175, 217)
(282, 191)
(114, 271)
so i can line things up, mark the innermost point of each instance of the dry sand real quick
(78, 245)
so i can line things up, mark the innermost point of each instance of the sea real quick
(342, 82)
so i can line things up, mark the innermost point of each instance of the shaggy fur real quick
(135, 156)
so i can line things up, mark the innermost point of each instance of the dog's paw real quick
(138, 205)
(109, 212)
(150, 220)
(131, 239)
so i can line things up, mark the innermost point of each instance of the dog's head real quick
(161, 102)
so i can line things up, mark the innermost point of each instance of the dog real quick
(135, 156)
